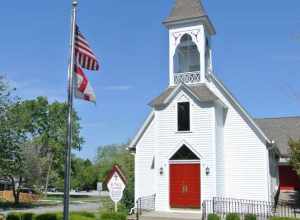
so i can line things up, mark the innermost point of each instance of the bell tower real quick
(190, 32)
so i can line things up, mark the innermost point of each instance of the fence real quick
(223, 206)
(145, 204)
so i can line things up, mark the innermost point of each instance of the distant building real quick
(198, 141)
(281, 130)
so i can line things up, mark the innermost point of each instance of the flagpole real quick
(67, 173)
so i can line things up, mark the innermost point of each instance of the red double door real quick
(185, 186)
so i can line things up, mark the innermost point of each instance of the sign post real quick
(116, 184)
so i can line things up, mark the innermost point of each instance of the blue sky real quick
(256, 54)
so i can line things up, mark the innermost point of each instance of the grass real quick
(72, 198)
(51, 200)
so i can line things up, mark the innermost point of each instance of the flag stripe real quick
(84, 54)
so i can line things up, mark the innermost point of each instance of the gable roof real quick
(116, 169)
(281, 130)
(186, 9)
(141, 132)
(200, 91)
(240, 109)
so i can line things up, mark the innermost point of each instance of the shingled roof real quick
(200, 91)
(281, 130)
(186, 9)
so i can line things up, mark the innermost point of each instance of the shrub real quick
(27, 216)
(213, 217)
(47, 216)
(250, 217)
(13, 216)
(84, 214)
(112, 216)
(232, 216)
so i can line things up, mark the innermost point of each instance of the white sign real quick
(116, 187)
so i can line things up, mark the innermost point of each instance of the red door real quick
(289, 180)
(185, 186)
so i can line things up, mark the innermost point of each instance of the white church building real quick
(198, 142)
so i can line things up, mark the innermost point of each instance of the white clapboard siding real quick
(200, 139)
(245, 154)
(144, 175)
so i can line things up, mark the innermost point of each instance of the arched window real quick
(187, 56)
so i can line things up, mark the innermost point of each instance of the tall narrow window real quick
(183, 115)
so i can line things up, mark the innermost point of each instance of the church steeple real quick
(185, 11)
(190, 30)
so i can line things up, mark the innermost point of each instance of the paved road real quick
(90, 207)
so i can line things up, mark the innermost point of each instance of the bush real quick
(213, 217)
(250, 217)
(27, 216)
(84, 214)
(47, 216)
(13, 216)
(112, 216)
(232, 216)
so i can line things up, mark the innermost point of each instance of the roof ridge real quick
(282, 117)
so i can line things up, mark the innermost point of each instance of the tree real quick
(84, 174)
(110, 155)
(295, 155)
(34, 132)
(12, 136)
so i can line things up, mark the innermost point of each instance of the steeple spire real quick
(189, 11)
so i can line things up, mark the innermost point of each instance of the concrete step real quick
(171, 216)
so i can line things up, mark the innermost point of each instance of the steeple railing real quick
(187, 77)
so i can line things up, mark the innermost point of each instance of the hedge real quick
(213, 217)
(250, 217)
(13, 216)
(232, 216)
(113, 216)
(27, 216)
(47, 216)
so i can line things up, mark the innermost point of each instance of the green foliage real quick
(110, 155)
(82, 216)
(33, 134)
(250, 217)
(85, 214)
(27, 216)
(13, 216)
(232, 216)
(84, 174)
(47, 216)
(295, 155)
(112, 216)
(213, 217)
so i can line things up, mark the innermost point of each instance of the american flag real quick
(83, 52)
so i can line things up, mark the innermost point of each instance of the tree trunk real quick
(16, 190)
(48, 174)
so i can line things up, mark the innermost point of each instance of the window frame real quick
(189, 117)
